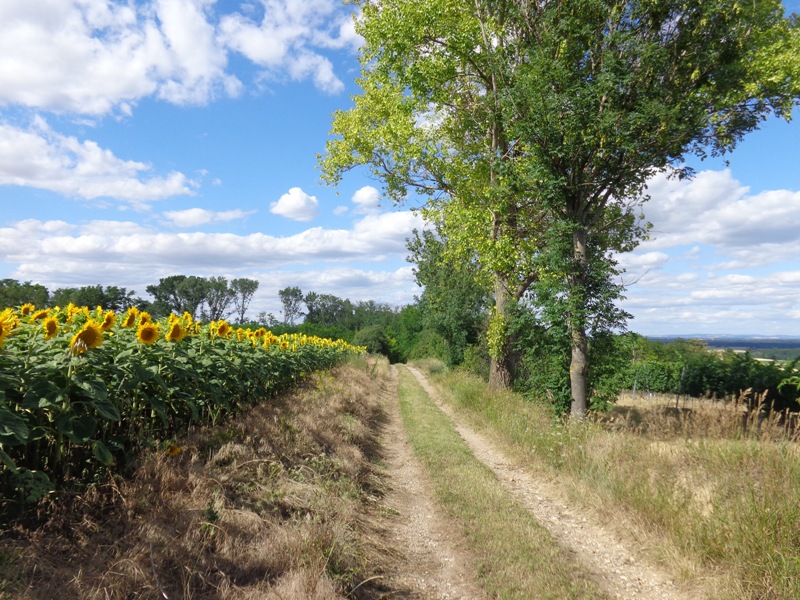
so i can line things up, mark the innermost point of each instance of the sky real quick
(142, 139)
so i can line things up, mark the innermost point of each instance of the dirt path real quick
(615, 567)
(428, 562)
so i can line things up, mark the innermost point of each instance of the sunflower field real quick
(83, 391)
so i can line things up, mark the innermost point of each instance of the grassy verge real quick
(514, 556)
(269, 505)
(724, 510)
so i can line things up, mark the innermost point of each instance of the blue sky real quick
(145, 139)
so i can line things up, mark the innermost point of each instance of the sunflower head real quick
(50, 327)
(222, 329)
(26, 309)
(109, 318)
(130, 317)
(176, 332)
(148, 333)
(38, 315)
(91, 336)
(144, 318)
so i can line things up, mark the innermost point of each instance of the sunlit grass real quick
(514, 556)
(710, 502)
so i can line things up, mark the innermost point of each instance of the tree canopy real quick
(532, 129)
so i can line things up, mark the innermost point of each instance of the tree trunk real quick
(501, 365)
(577, 324)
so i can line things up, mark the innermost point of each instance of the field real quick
(298, 496)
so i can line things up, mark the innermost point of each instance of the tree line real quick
(208, 298)
(530, 130)
(450, 320)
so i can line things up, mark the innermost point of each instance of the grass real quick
(269, 505)
(514, 556)
(714, 504)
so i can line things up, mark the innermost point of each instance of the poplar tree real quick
(532, 128)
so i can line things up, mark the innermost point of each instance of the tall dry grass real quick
(267, 506)
(710, 491)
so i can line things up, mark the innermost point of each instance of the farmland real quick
(85, 390)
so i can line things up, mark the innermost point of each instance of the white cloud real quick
(714, 208)
(192, 217)
(721, 259)
(93, 57)
(285, 39)
(296, 205)
(367, 199)
(340, 210)
(42, 158)
(59, 254)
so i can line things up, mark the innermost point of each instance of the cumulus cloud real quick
(296, 205)
(58, 254)
(94, 57)
(286, 37)
(367, 199)
(192, 217)
(720, 259)
(42, 158)
(714, 208)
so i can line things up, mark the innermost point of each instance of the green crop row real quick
(82, 391)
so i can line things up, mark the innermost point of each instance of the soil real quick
(430, 559)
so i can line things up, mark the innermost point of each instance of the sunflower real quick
(26, 309)
(91, 336)
(176, 332)
(130, 317)
(172, 449)
(148, 332)
(144, 318)
(39, 315)
(50, 327)
(7, 323)
(109, 318)
(222, 328)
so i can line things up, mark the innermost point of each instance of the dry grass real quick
(268, 506)
(666, 416)
(704, 488)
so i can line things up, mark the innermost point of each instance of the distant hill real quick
(738, 342)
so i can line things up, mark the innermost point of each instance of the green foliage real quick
(532, 129)
(109, 297)
(69, 411)
(15, 293)
(453, 302)
(291, 299)
(689, 368)
(377, 341)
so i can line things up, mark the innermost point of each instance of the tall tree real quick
(244, 289)
(453, 302)
(429, 118)
(109, 297)
(179, 294)
(328, 310)
(614, 91)
(14, 293)
(292, 301)
(528, 124)
(218, 298)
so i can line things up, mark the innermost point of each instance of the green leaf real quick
(7, 461)
(13, 428)
(34, 484)
(83, 429)
(106, 409)
(102, 454)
